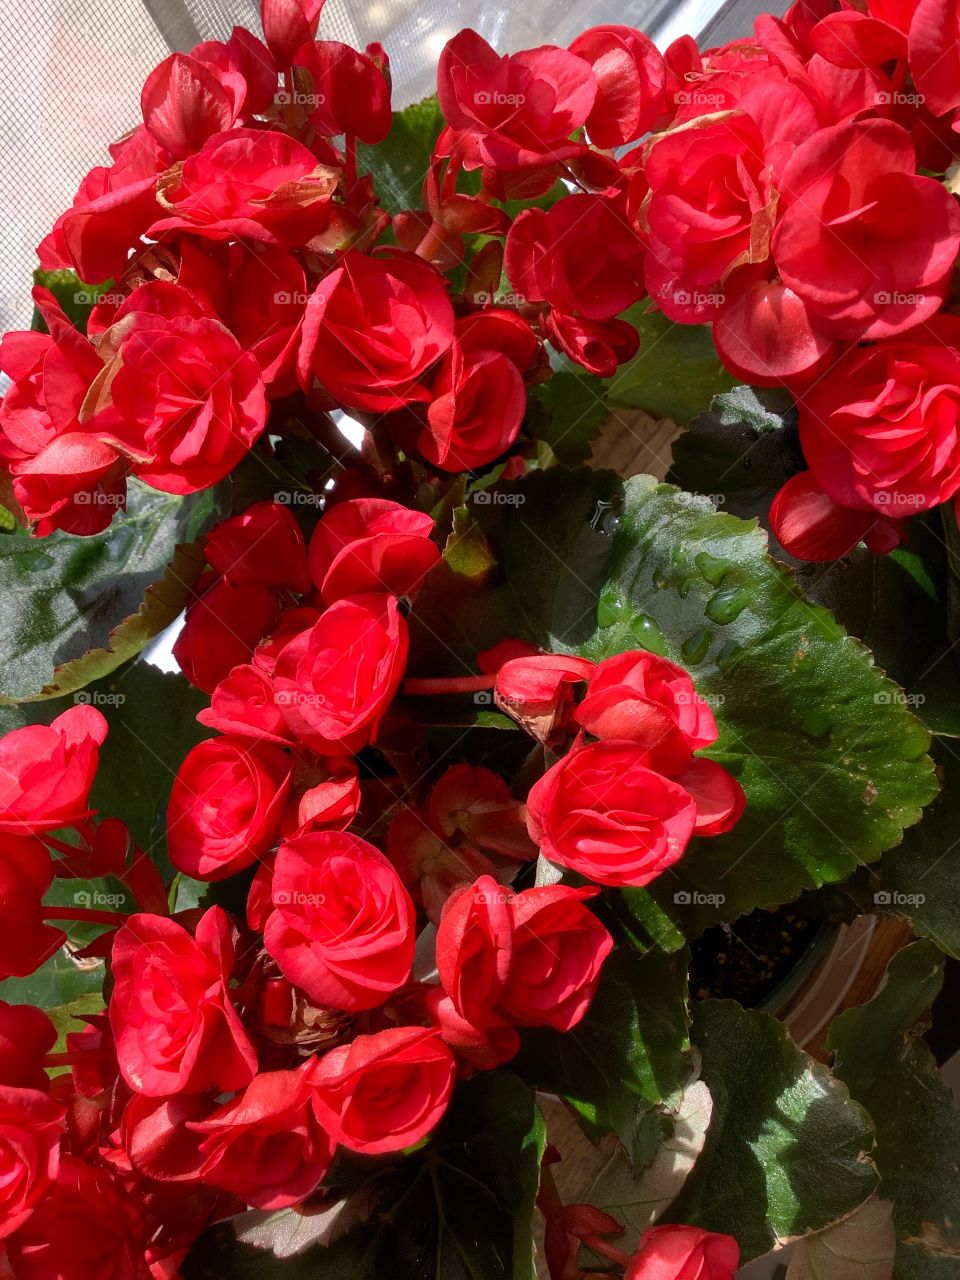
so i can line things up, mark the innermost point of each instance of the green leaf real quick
(400, 163)
(67, 1017)
(740, 453)
(832, 760)
(77, 607)
(567, 413)
(919, 880)
(862, 1247)
(629, 1053)
(889, 1069)
(676, 372)
(460, 1209)
(787, 1151)
(76, 298)
(59, 982)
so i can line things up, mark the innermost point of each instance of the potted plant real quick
(393, 931)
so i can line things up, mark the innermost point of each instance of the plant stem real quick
(447, 684)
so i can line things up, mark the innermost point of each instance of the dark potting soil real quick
(748, 959)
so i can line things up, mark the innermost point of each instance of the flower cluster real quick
(778, 188)
(237, 1056)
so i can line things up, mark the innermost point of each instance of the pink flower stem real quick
(606, 1250)
(447, 684)
(84, 915)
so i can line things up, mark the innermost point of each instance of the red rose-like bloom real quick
(86, 1228)
(184, 400)
(709, 186)
(684, 1253)
(517, 111)
(371, 544)
(642, 698)
(342, 925)
(225, 806)
(631, 75)
(46, 771)
(243, 703)
(479, 394)
(386, 1091)
(251, 184)
(184, 103)
(334, 681)
(112, 209)
(31, 1125)
(882, 428)
(263, 545)
(934, 52)
(26, 873)
(224, 624)
(881, 434)
(288, 24)
(347, 90)
(559, 947)
(372, 330)
(532, 958)
(546, 260)
(76, 484)
(604, 812)
(26, 1036)
(538, 692)
(265, 1145)
(866, 244)
(175, 1026)
(474, 949)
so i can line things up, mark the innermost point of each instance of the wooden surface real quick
(632, 443)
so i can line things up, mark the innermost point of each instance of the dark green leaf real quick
(628, 1054)
(787, 1151)
(676, 372)
(76, 298)
(567, 413)
(77, 607)
(919, 880)
(400, 163)
(889, 1069)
